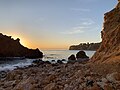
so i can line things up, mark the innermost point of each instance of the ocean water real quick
(62, 54)
(48, 56)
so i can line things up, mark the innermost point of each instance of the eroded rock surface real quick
(109, 50)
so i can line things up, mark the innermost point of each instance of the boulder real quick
(72, 57)
(81, 55)
(63, 60)
(52, 60)
(47, 62)
(59, 61)
(38, 62)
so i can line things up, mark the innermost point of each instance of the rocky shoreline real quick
(101, 72)
(72, 75)
(69, 76)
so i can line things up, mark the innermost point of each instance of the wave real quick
(17, 63)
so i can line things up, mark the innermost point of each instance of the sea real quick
(49, 55)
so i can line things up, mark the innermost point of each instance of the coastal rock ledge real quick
(12, 48)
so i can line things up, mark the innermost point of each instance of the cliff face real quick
(85, 46)
(109, 50)
(12, 48)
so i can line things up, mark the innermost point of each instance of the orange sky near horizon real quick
(48, 41)
(32, 43)
(42, 43)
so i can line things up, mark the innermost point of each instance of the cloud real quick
(87, 22)
(85, 25)
(72, 32)
(75, 30)
(80, 9)
(80, 27)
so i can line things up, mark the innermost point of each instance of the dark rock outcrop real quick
(72, 57)
(109, 50)
(85, 46)
(81, 54)
(38, 62)
(12, 48)
(59, 61)
(80, 57)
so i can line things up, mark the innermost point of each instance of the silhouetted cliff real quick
(12, 48)
(85, 46)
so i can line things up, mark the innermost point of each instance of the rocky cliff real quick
(12, 48)
(110, 47)
(85, 46)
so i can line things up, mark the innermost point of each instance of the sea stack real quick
(12, 48)
(109, 51)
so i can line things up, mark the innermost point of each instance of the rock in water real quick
(110, 47)
(38, 62)
(12, 48)
(59, 61)
(81, 57)
(81, 54)
(72, 57)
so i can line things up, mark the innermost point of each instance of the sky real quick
(53, 24)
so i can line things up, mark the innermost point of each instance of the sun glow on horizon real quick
(23, 41)
(31, 43)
